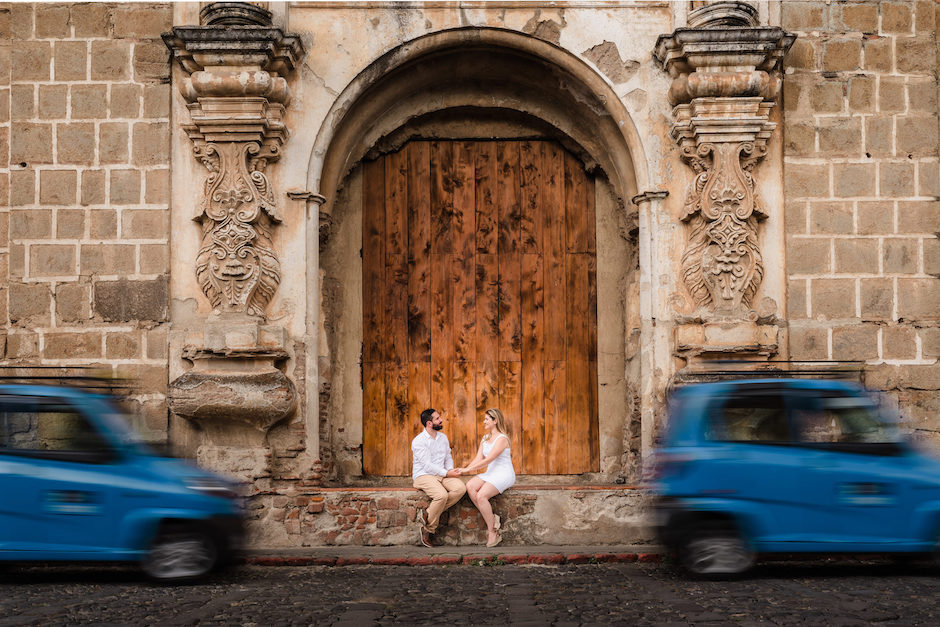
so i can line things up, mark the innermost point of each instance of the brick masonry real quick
(84, 189)
(862, 182)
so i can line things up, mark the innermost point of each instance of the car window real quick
(749, 418)
(48, 428)
(844, 420)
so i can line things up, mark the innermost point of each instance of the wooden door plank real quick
(553, 202)
(373, 261)
(485, 196)
(508, 199)
(509, 383)
(442, 332)
(487, 336)
(487, 395)
(533, 388)
(396, 309)
(464, 249)
(575, 206)
(442, 197)
(530, 201)
(578, 378)
(592, 307)
(594, 437)
(419, 249)
(373, 418)
(556, 423)
(419, 394)
(396, 204)
(463, 422)
(398, 433)
(486, 282)
(510, 312)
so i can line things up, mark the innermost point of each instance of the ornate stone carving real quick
(236, 92)
(722, 265)
(236, 265)
(725, 78)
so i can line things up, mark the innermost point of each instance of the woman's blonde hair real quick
(497, 415)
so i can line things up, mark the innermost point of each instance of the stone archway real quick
(470, 84)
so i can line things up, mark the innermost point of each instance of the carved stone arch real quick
(444, 70)
(447, 77)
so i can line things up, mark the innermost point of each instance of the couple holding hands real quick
(433, 472)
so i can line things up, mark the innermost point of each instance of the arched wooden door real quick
(479, 290)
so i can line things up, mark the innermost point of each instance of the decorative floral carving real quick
(722, 265)
(236, 265)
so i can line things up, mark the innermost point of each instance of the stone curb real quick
(442, 560)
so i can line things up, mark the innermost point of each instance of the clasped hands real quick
(456, 472)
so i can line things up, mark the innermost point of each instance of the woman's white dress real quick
(500, 473)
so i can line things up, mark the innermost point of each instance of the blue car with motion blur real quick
(79, 485)
(765, 466)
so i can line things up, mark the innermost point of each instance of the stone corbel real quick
(725, 73)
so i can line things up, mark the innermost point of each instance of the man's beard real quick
(437, 427)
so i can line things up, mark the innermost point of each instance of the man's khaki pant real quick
(444, 492)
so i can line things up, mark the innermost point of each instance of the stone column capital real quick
(724, 54)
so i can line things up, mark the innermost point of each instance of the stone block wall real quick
(84, 191)
(862, 183)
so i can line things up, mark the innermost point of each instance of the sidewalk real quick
(423, 556)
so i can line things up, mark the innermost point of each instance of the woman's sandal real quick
(492, 543)
(496, 524)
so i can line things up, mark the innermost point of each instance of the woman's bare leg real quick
(483, 496)
(473, 486)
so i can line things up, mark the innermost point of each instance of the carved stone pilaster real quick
(725, 73)
(236, 66)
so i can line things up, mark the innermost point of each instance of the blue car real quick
(788, 466)
(77, 484)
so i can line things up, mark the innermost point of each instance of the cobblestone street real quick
(814, 593)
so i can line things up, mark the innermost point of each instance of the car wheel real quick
(180, 555)
(716, 551)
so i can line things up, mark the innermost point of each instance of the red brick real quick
(514, 559)
(445, 559)
(577, 558)
(553, 558)
(649, 558)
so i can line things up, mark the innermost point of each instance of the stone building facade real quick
(191, 194)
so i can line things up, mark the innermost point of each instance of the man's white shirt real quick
(431, 456)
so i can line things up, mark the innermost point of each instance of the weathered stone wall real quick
(862, 183)
(387, 516)
(84, 186)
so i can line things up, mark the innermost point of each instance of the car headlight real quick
(211, 487)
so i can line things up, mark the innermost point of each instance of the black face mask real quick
(437, 427)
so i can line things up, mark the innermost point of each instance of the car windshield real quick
(119, 426)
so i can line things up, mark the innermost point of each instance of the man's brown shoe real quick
(425, 537)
